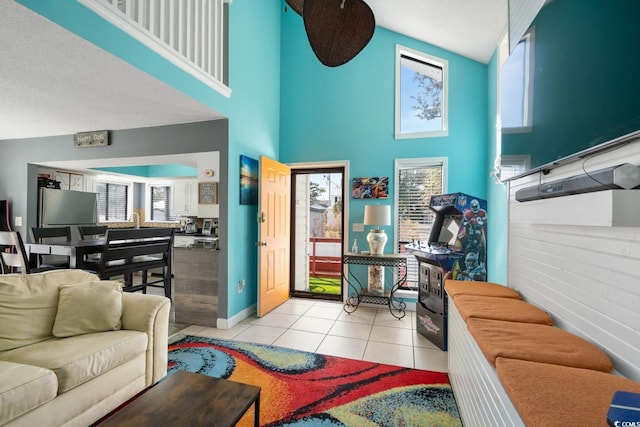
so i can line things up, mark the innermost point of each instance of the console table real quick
(358, 293)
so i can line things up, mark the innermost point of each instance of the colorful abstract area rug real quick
(306, 389)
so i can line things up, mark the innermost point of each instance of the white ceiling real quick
(471, 28)
(53, 82)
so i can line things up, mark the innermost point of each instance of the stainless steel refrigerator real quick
(60, 208)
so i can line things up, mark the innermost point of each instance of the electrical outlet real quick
(358, 227)
(17, 221)
(240, 286)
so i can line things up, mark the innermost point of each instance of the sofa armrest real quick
(149, 314)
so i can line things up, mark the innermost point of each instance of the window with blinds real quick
(161, 203)
(417, 180)
(113, 201)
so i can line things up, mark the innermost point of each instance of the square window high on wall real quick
(421, 94)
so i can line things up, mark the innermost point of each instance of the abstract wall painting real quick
(371, 188)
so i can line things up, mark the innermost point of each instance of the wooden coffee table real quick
(188, 399)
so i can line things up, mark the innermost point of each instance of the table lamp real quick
(377, 215)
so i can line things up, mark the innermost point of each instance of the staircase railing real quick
(189, 33)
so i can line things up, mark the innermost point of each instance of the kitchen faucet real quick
(136, 215)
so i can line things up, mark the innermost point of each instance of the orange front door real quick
(274, 230)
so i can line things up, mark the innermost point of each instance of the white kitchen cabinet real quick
(185, 197)
(90, 184)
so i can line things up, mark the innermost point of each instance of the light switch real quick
(358, 227)
(18, 221)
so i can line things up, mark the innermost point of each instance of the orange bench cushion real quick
(509, 309)
(487, 289)
(537, 343)
(554, 395)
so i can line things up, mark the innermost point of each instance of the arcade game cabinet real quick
(456, 249)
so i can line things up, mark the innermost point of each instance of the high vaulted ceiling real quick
(46, 72)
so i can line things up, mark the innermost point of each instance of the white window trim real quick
(444, 64)
(147, 199)
(416, 163)
(114, 179)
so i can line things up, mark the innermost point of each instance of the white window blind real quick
(417, 182)
(113, 200)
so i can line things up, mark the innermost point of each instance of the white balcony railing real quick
(189, 33)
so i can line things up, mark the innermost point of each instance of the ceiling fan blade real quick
(338, 29)
(296, 5)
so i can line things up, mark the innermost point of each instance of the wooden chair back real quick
(127, 251)
(13, 257)
(51, 235)
(92, 232)
(38, 234)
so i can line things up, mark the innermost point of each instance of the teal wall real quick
(347, 113)
(254, 128)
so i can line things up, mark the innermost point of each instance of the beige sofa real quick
(73, 348)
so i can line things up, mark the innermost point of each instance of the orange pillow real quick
(537, 343)
(508, 309)
(554, 395)
(487, 289)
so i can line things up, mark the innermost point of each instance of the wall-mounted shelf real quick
(608, 208)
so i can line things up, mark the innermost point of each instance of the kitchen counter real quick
(206, 243)
(206, 246)
(183, 233)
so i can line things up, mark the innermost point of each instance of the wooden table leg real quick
(256, 416)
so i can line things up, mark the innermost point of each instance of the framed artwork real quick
(208, 193)
(371, 188)
(248, 181)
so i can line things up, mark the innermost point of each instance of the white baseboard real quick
(234, 320)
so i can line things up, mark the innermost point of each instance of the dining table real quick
(76, 250)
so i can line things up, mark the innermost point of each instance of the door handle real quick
(261, 243)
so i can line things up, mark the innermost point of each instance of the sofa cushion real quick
(537, 343)
(28, 304)
(23, 388)
(76, 360)
(87, 308)
(508, 309)
(487, 289)
(554, 395)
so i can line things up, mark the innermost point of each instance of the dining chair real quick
(13, 257)
(92, 232)
(51, 235)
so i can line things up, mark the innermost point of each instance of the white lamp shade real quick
(377, 215)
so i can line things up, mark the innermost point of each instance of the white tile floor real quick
(324, 327)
